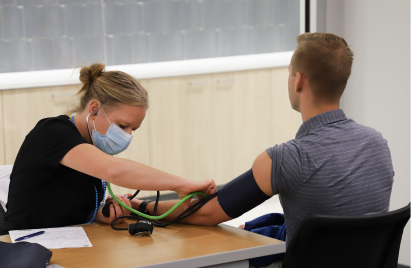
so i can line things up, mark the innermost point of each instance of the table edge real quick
(224, 257)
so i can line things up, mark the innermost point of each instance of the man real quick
(334, 166)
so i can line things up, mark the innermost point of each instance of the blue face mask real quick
(115, 141)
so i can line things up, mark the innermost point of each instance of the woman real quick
(58, 173)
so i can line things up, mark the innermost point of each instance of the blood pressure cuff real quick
(241, 195)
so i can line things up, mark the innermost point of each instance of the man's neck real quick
(308, 111)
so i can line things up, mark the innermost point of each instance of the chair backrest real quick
(357, 241)
(5, 172)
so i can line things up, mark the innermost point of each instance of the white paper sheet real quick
(63, 237)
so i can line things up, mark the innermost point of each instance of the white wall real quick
(378, 91)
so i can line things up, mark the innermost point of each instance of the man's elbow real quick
(210, 221)
(210, 214)
(202, 220)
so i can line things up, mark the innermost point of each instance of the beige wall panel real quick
(166, 123)
(285, 120)
(2, 148)
(198, 137)
(180, 126)
(255, 133)
(138, 150)
(226, 122)
(22, 109)
(62, 98)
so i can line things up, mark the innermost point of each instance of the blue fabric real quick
(271, 225)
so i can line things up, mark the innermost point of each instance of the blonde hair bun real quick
(110, 88)
(89, 73)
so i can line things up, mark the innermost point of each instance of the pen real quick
(28, 236)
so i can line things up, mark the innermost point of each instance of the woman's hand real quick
(208, 187)
(115, 210)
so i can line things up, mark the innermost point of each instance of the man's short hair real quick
(325, 60)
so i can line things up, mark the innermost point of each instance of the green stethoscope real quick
(183, 215)
(148, 216)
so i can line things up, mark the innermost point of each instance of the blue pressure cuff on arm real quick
(241, 195)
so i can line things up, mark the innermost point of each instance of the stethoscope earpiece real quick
(95, 112)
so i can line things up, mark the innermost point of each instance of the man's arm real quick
(262, 172)
(211, 213)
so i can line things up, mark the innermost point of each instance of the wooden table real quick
(178, 246)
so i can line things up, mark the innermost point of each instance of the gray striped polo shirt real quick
(334, 166)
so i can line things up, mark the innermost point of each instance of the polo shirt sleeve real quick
(286, 169)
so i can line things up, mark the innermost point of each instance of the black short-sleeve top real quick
(43, 193)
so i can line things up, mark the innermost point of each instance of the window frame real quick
(61, 77)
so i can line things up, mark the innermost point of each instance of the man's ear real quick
(298, 82)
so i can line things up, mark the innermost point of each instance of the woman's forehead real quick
(128, 114)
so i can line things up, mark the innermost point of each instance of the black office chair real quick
(2, 214)
(362, 241)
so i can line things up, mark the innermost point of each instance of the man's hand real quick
(242, 226)
(115, 210)
(136, 203)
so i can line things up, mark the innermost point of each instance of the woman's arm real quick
(130, 174)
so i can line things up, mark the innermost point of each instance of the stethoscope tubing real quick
(186, 213)
(149, 216)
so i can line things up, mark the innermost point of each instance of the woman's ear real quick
(93, 108)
